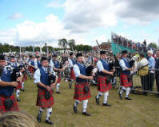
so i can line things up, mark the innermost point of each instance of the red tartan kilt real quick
(19, 85)
(14, 106)
(59, 78)
(42, 102)
(102, 84)
(72, 75)
(124, 80)
(24, 77)
(31, 69)
(79, 92)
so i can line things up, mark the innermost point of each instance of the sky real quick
(35, 22)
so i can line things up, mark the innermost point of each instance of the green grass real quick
(142, 111)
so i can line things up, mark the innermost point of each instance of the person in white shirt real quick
(104, 83)
(82, 90)
(125, 80)
(71, 61)
(45, 98)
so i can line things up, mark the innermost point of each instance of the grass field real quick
(142, 111)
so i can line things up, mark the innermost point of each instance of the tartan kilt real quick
(59, 78)
(31, 69)
(124, 80)
(72, 75)
(102, 84)
(24, 78)
(79, 93)
(19, 85)
(14, 106)
(42, 102)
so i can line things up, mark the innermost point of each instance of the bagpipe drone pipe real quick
(15, 73)
(1, 70)
(52, 79)
(51, 76)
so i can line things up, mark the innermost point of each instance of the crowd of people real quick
(99, 69)
(142, 47)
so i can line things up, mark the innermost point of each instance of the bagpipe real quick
(16, 73)
(131, 63)
(51, 76)
(51, 79)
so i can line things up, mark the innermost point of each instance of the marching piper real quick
(82, 91)
(125, 78)
(7, 98)
(55, 64)
(45, 98)
(104, 81)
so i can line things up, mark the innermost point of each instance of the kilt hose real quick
(79, 93)
(124, 80)
(24, 78)
(72, 75)
(42, 102)
(59, 78)
(102, 85)
(2, 106)
(19, 85)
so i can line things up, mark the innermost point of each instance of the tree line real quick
(63, 44)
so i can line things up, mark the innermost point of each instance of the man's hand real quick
(48, 88)
(14, 84)
(53, 85)
(90, 77)
(130, 69)
(111, 73)
(19, 79)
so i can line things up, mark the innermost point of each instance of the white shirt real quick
(70, 63)
(37, 75)
(142, 63)
(123, 65)
(76, 70)
(51, 64)
(100, 66)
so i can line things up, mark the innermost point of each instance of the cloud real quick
(55, 4)
(30, 32)
(16, 16)
(83, 16)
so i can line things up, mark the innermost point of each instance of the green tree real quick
(152, 45)
(63, 43)
(72, 44)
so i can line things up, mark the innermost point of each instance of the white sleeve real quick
(76, 70)
(36, 64)
(70, 63)
(100, 66)
(122, 65)
(37, 76)
(51, 64)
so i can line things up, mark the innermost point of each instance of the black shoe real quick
(108, 105)
(86, 114)
(39, 117)
(120, 96)
(70, 85)
(57, 92)
(75, 109)
(22, 90)
(97, 100)
(18, 99)
(49, 122)
(127, 98)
